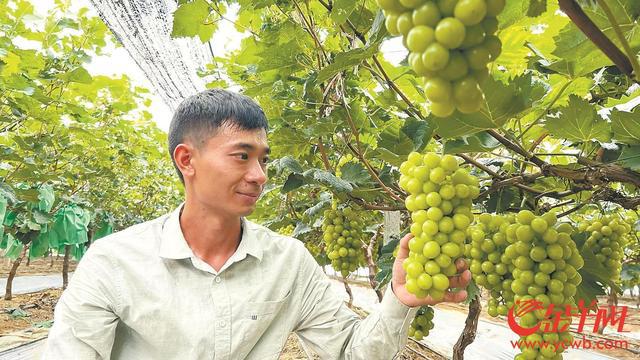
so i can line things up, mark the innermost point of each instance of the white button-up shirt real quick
(141, 294)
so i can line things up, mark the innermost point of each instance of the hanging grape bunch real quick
(422, 323)
(440, 203)
(450, 43)
(287, 230)
(343, 235)
(490, 266)
(546, 261)
(607, 239)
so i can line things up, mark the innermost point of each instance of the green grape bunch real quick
(287, 230)
(343, 237)
(440, 202)
(450, 43)
(545, 263)
(608, 236)
(422, 323)
(489, 265)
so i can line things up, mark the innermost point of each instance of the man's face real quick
(229, 170)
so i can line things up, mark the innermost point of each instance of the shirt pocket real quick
(264, 335)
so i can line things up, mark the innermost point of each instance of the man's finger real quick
(460, 281)
(461, 265)
(455, 296)
(403, 252)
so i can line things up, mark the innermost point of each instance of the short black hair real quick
(199, 116)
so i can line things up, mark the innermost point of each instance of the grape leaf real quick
(630, 157)
(579, 122)
(328, 179)
(479, 142)
(626, 126)
(288, 162)
(355, 173)
(342, 9)
(419, 131)
(351, 58)
(190, 19)
(293, 182)
(78, 75)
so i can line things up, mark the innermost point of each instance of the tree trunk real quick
(373, 269)
(12, 273)
(470, 329)
(51, 258)
(348, 289)
(612, 300)
(65, 267)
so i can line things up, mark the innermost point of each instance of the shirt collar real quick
(174, 246)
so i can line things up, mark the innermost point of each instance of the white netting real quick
(143, 27)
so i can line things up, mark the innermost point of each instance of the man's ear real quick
(183, 156)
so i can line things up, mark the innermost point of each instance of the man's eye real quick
(243, 156)
(265, 160)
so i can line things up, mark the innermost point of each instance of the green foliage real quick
(75, 149)
(578, 122)
(193, 19)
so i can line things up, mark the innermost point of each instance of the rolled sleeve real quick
(334, 331)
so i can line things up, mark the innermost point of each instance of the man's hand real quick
(398, 279)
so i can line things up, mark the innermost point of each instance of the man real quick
(205, 283)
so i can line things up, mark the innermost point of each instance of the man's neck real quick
(211, 237)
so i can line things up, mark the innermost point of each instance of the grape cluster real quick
(287, 230)
(440, 203)
(422, 323)
(545, 263)
(607, 239)
(450, 43)
(343, 231)
(490, 267)
(314, 249)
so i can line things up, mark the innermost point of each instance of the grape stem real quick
(582, 21)
(625, 44)
(373, 268)
(470, 328)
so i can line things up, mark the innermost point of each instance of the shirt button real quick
(222, 323)
(218, 279)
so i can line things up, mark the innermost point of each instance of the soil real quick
(40, 266)
(28, 310)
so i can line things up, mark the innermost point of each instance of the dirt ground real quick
(28, 310)
(40, 266)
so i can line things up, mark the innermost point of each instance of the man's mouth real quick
(252, 195)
